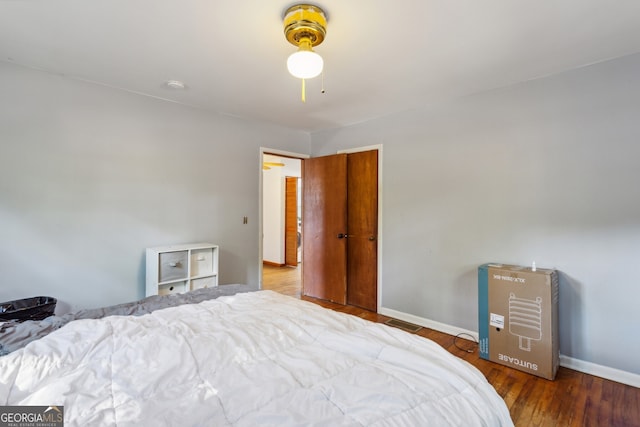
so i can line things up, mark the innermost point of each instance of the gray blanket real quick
(14, 335)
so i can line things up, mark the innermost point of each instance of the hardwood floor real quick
(572, 399)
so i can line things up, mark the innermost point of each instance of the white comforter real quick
(252, 359)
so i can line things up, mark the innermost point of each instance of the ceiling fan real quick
(268, 165)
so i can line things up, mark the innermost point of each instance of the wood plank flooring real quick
(572, 399)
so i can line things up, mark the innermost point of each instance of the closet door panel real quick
(362, 223)
(324, 228)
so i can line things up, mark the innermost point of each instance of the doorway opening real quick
(281, 223)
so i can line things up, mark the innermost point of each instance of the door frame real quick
(262, 152)
(377, 147)
(265, 150)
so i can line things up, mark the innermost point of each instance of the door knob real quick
(372, 238)
(341, 235)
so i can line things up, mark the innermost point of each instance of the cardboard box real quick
(518, 318)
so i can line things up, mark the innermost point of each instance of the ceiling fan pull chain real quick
(322, 78)
(304, 98)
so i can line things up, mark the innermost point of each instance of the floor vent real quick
(409, 327)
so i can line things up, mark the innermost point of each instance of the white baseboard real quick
(606, 372)
(612, 374)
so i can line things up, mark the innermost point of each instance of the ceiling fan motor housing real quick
(305, 22)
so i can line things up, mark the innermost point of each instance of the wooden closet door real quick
(362, 223)
(291, 221)
(324, 226)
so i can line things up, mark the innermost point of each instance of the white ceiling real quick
(380, 56)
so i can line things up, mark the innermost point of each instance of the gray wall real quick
(91, 176)
(546, 170)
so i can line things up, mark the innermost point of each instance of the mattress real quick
(257, 358)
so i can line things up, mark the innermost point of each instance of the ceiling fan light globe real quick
(305, 64)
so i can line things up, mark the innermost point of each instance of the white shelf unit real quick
(181, 268)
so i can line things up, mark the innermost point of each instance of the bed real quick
(249, 359)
